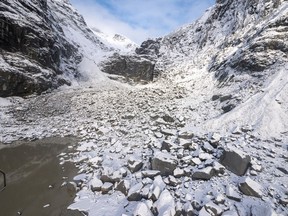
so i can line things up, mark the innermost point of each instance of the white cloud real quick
(139, 19)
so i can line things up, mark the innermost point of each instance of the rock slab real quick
(236, 161)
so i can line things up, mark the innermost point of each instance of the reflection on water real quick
(2, 180)
(34, 178)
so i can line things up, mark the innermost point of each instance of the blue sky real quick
(140, 19)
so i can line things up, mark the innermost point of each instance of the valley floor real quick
(124, 130)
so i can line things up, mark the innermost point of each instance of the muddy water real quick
(34, 179)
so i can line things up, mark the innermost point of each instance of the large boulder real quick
(236, 161)
(165, 205)
(164, 162)
(203, 174)
(134, 67)
(251, 188)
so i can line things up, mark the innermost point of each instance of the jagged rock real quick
(172, 181)
(134, 193)
(208, 148)
(149, 47)
(150, 173)
(215, 139)
(219, 169)
(142, 210)
(185, 143)
(168, 118)
(169, 132)
(145, 191)
(123, 187)
(188, 209)
(203, 174)
(283, 170)
(232, 194)
(185, 134)
(205, 156)
(165, 205)
(236, 161)
(106, 187)
(167, 145)
(215, 97)
(112, 178)
(96, 184)
(250, 187)
(220, 199)
(80, 178)
(257, 168)
(228, 107)
(196, 205)
(164, 162)
(225, 97)
(156, 193)
(212, 207)
(283, 201)
(178, 209)
(196, 161)
(247, 128)
(178, 172)
(158, 181)
(134, 165)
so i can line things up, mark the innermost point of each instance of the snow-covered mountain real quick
(46, 43)
(121, 43)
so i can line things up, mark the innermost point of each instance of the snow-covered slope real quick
(236, 49)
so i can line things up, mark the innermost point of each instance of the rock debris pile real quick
(140, 155)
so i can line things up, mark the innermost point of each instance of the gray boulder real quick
(134, 193)
(236, 161)
(106, 187)
(96, 184)
(165, 205)
(164, 162)
(123, 187)
(250, 188)
(134, 165)
(203, 174)
(142, 210)
(135, 67)
(232, 194)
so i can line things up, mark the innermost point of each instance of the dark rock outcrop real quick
(149, 47)
(33, 48)
(134, 67)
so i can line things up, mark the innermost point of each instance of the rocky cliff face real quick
(232, 37)
(135, 68)
(37, 51)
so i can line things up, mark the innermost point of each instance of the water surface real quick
(35, 178)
